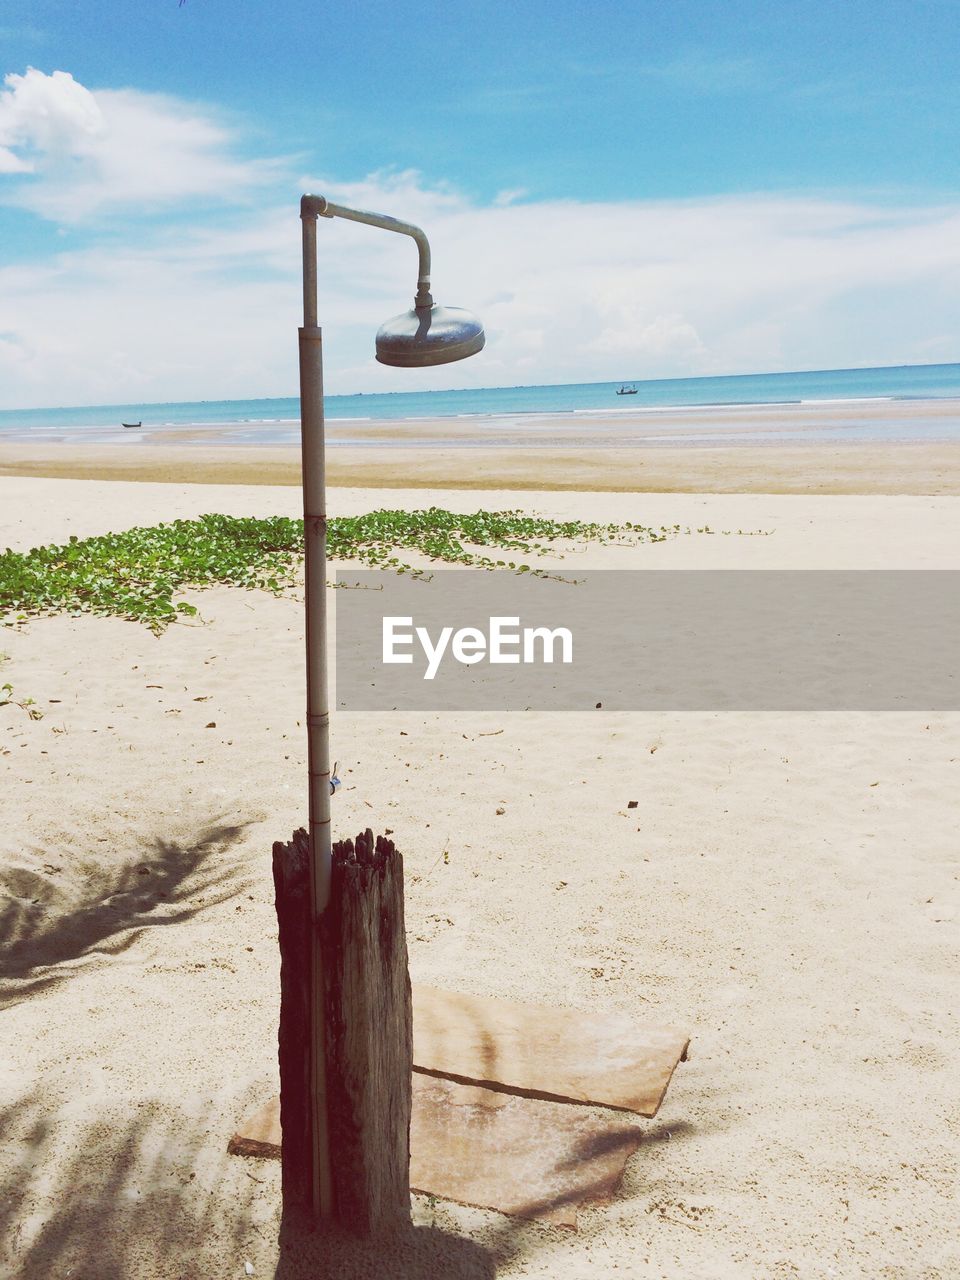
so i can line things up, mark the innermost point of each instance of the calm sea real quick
(276, 421)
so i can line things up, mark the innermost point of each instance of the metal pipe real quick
(320, 206)
(308, 225)
(318, 712)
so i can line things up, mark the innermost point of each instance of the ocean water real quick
(713, 402)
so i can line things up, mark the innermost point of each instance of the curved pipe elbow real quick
(313, 206)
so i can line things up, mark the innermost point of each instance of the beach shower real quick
(425, 335)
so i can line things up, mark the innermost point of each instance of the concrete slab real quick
(564, 1055)
(492, 1083)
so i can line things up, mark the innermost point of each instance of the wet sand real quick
(775, 468)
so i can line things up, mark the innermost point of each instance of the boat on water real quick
(626, 391)
(130, 425)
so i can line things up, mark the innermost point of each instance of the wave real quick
(853, 400)
(690, 408)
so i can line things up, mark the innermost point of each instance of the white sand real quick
(787, 888)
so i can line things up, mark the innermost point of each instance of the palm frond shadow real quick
(516, 1239)
(49, 928)
(120, 1198)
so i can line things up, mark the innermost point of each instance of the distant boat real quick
(626, 391)
(132, 424)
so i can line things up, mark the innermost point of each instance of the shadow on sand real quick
(435, 1252)
(104, 1199)
(54, 918)
(407, 1253)
(123, 1190)
(99, 1196)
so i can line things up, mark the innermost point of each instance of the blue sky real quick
(643, 190)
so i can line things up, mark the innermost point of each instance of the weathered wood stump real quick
(367, 1037)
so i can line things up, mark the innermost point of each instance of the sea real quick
(879, 404)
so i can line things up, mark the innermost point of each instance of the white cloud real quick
(568, 290)
(79, 151)
(11, 163)
(510, 196)
(666, 337)
(51, 115)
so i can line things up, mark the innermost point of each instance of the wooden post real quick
(367, 1033)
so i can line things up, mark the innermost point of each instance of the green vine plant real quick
(25, 704)
(137, 574)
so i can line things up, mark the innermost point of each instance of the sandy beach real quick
(787, 887)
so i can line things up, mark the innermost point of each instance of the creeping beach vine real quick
(136, 574)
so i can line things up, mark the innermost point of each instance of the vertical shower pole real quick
(318, 711)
